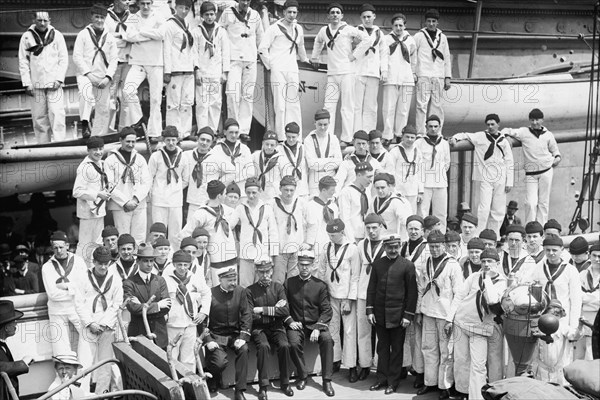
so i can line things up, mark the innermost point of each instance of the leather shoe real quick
(419, 381)
(239, 395)
(287, 390)
(328, 389)
(86, 132)
(403, 373)
(300, 384)
(426, 389)
(212, 385)
(378, 386)
(336, 366)
(458, 396)
(445, 394)
(364, 373)
(390, 389)
(262, 393)
(353, 376)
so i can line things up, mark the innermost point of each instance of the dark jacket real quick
(309, 302)
(13, 369)
(266, 297)
(229, 314)
(505, 224)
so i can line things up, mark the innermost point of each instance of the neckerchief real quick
(209, 39)
(183, 295)
(202, 261)
(332, 37)
(379, 206)
(494, 141)
(237, 151)
(103, 176)
(482, 305)
(124, 275)
(327, 212)
(256, 233)
(371, 254)
(403, 47)
(364, 201)
(354, 158)
(128, 171)
(299, 156)
(101, 292)
(171, 166)
(550, 288)
(39, 43)
(294, 39)
(582, 266)
(379, 157)
(334, 274)
(405, 252)
(373, 47)
(318, 148)
(186, 33)
(290, 215)
(63, 274)
(198, 171)
(590, 283)
(265, 168)
(412, 165)
(436, 274)
(219, 219)
(537, 132)
(119, 20)
(434, 45)
(506, 264)
(242, 18)
(433, 144)
(468, 268)
(98, 44)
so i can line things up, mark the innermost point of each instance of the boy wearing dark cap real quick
(509, 259)
(110, 237)
(266, 166)
(377, 149)
(541, 154)
(233, 194)
(125, 262)
(345, 174)
(293, 162)
(590, 286)
(320, 210)
(493, 171)
(393, 208)
(95, 55)
(195, 180)
(580, 256)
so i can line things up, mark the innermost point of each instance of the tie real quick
(327, 212)
(331, 37)
(39, 43)
(493, 143)
(364, 201)
(186, 34)
(433, 142)
(403, 48)
(435, 53)
(482, 305)
(183, 295)
(120, 21)
(128, 171)
(257, 234)
(98, 45)
(412, 165)
(198, 172)
(232, 155)
(290, 215)
(208, 37)
(171, 166)
(294, 45)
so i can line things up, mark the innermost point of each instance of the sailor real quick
(259, 236)
(370, 250)
(339, 38)
(510, 258)
(269, 306)
(266, 166)
(433, 169)
(541, 154)
(190, 246)
(212, 46)
(190, 305)
(452, 244)
(391, 304)
(393, 208)
(510, 217)
(245, 30)
(535, 252)
(354, 201)
(398, 88)
(233, 194)
(195, 180)
(92, 191)
(138, 290)
(553, 227)
(323, 152)
(580, 255)
(66, 366)
(371, 68)
(125, 263)
(320, 210)
(310, 315)
(202, 261)
(162, 262)
(156, 231)
(288, 210)
(281, 45)
(434, 70)
(180, 62)
(146, 35)
(110, 237)
(478, 337)
(167, 172)
(345, 174)
(472, 263)
(443, 277)
(214, 217)
(129, 177)
(8, 328)
(293, 159)
(43, 62)
(590, 286)
(230, 321)
(339, 267)
(98, 297)
(377, 150)
(468, 229)
(403, 161)
(489, 238)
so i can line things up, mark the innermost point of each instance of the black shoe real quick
(328, 389)
(419, 381)
(390, 389)
(458, 396)
(138, 125)
(239, 395)
(403, 373)
(445, 394)
(212, 385)
(287, 390)
(86, 132)
(353, 376)
(262, 393)
(336, 366)
(300, 384)
(364, 373)
(426, 389)
(378, 386)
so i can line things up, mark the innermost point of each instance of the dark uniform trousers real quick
(216, 362)
(296, 339)
(390, 354)
(262, 339)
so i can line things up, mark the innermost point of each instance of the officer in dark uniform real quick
(8, 328)
(269, 308)
(391, 304)
(310, 313)
(230, 321)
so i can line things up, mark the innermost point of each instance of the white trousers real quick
(208, 103)
(116, 92)
(133, 222)
(180, 99)
(241, 81)
(438, 366)
(246, 272)
(492, 205)
(366, 89)
(413, 354)
(131, 102)
(395, 109)
(341, 85)
(96, 98)
(429, 101)
(108, 376)
(437, 199)
(48, 115)
(90, 231)
(537, 200)
(285, 265)
(363, 330)
(170, 216)
(184, 350)
(285, 87)
(348, 354)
